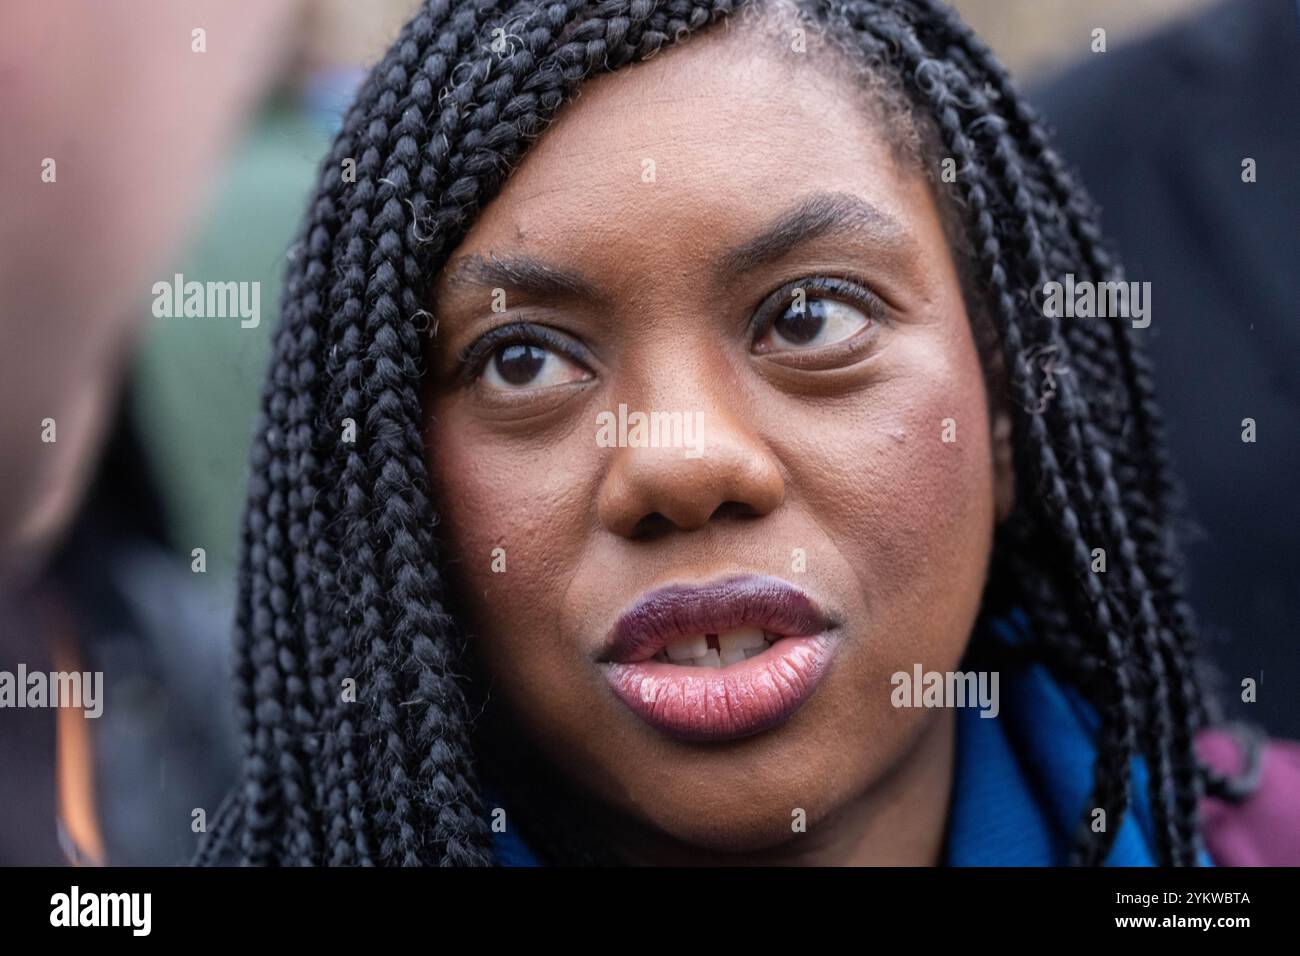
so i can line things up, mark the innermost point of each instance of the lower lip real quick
(721, 703)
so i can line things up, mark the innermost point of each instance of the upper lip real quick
(684, 610)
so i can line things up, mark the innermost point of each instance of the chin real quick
(724, 820)
(720, 835)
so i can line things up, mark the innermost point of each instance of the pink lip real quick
(697, 703)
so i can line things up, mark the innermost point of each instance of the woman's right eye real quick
(524, 357)
(519, 366)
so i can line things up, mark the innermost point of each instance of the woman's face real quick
(725, 233)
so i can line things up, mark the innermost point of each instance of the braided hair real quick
(341, 577)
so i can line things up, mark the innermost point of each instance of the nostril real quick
(651, 526)
(656, 525)
(645, 494)
(733, 509)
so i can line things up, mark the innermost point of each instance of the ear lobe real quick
(1004, 468)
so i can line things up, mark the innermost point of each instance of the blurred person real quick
(116, 118)
(471, 631)
(1188, 140)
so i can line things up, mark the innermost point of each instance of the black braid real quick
(340, 573)
(1148, 485)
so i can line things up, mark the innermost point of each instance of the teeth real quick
(710, 659)
(741, 639)
(688, 648)
(733, 647)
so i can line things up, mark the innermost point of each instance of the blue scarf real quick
(1021, 780)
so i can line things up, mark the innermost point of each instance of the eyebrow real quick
(524, 274)
(817, 215)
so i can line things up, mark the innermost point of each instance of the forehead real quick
(696, 148)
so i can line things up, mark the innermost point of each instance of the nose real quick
(649, 490)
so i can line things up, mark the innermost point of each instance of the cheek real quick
(904, 487)
(514, 520)
(535, 505)
(909, 516)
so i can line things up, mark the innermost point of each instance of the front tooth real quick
(688, 648)
(735, 657)
(709, 659)
(741, 639)
(754, 651)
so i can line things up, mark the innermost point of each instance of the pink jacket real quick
(1261, 828)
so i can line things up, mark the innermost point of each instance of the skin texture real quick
(834, 449)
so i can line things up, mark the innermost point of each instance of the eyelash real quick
(474, 357)
(842, 287)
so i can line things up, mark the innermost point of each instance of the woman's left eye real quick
(810, 321)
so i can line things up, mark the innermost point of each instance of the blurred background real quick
(171, 159)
